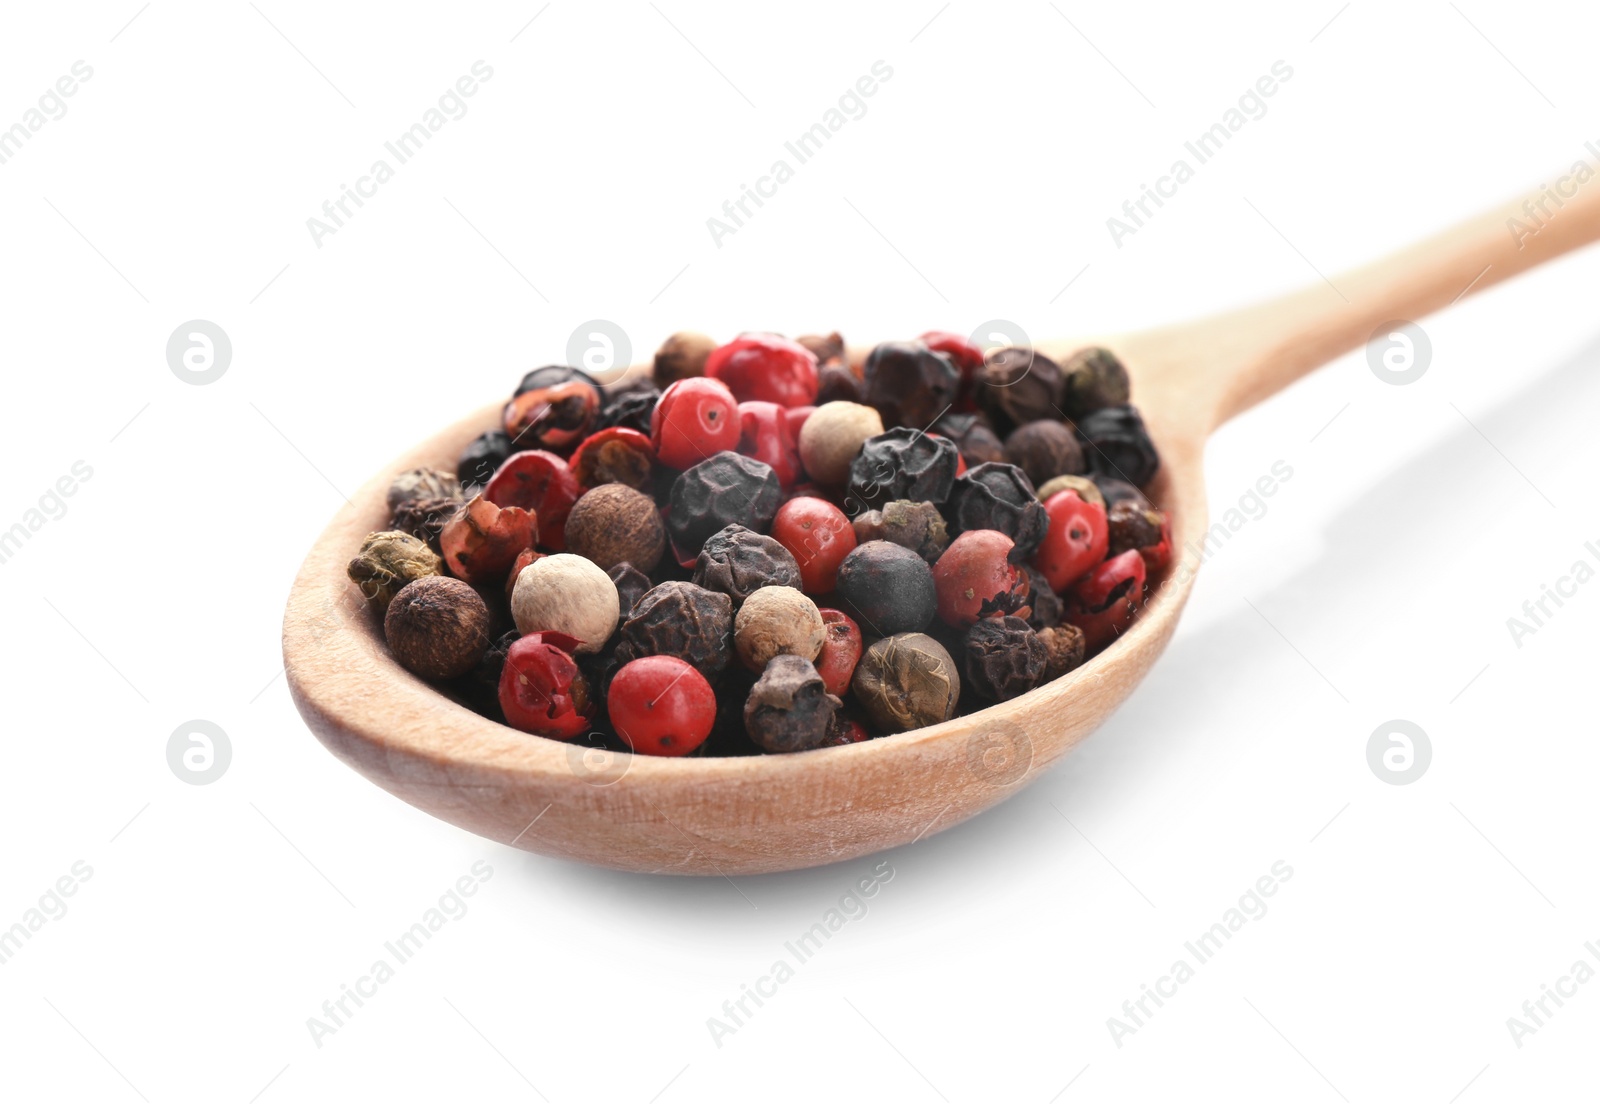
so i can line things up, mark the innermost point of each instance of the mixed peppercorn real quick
(766, 550)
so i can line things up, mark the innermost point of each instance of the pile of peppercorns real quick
(767, 549)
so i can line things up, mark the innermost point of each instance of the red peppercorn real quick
(554, 407)
(966, 356)
(841, 651)
(819, 536)
(1138, 527)
(695, 418)
(524, 559)
(797, 417)
(482, 539)
(540, 482)
(845, 732)
(1157, 557)
(542, 690)
(661, 705)
(765, 434)
(1103, 604)
(766, 367)
(1075, 540)
(616, 454)
(975, 579)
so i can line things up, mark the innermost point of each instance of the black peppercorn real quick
(1047, 606)
(737, 561)
(631, 584)
(630, 409)
(909, 384)
(1017, 385)
(918, 527)
(1045, 448)
(724, 488)
(1118, 444)
(789, 709)
(1132, 526)
(680, 620)
(728, 736)
(483, 455)
(889, 587)
(1093, 379)
(1065, 646)
(835, 382)
(1004, 658)
(973, 436)
(901, 464)
(480, 688)
(997, 496)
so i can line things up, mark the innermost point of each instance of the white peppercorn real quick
(570, 594)
(777, 619)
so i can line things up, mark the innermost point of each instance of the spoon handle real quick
(1226, 364)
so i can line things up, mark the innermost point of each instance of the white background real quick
(1418, 520)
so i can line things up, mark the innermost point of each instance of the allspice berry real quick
(682, 355)
(777, 620)
(1043, 449)
(906, 681)
(789, 709)
(437, 627)
(388, 561)
(1017, 385)
(613, 523)
(570, 594)
(832, 436)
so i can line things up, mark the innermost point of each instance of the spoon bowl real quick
(737, 815)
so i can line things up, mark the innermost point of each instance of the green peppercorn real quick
(1093, 379)
(1088, 491)
(906, 681)
(388, 561)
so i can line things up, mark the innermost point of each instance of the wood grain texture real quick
(764, 814)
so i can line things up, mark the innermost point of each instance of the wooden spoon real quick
(771, 813)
